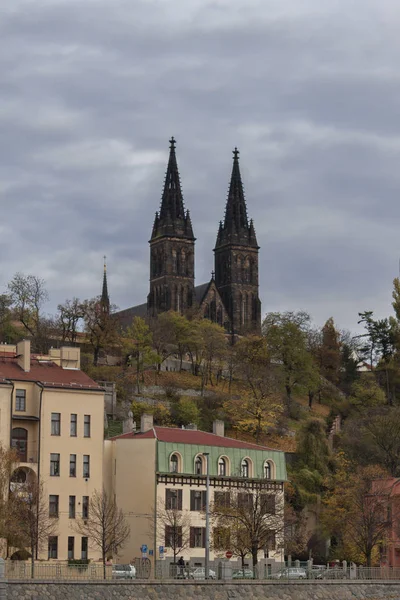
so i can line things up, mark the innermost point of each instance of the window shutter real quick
(192, 537)
(192, 492)
(179, 504)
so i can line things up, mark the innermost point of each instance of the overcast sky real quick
(309, 91)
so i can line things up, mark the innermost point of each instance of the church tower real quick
(171, 248)
(105, 298)
(236, 260)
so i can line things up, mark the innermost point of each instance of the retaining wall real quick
(200, 591)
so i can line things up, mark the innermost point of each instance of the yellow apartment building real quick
(53, 415)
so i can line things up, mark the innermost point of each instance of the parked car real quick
(243, 574)
(335, 573)
(200, 573)
(290, 573)
(123, 572)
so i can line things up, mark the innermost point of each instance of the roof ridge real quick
(223, 437)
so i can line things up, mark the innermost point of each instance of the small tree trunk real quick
(310, 399)
(288, 394)
(96, 353)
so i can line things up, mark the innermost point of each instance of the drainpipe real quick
(39, 444)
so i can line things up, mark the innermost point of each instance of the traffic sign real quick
(143, 549)
(161, 549)
(228, 554)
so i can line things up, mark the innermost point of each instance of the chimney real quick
(24, 355)
(219, 427)
(146, 423)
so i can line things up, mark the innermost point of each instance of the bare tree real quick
(101, 327)
(254, 517)
(69, 315)
(106, 526)
(172, 527)
(35, 523)
(28, 294)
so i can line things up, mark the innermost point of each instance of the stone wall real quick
(201, 591)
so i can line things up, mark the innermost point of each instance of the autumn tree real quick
(286, 336)
(101, 328)
(257, 513)
(258, 404)
(106, 526)
(356, 510)
(172, 525)
(8, 506)
(212, 348)
(162, 329)
(329, 352)
(137, 343)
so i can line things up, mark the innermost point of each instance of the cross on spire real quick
(172, 143)
(235, 153)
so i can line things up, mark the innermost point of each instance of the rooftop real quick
(190, 436)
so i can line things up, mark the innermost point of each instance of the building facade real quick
(159, 469)
(52, 414)
(231, 297)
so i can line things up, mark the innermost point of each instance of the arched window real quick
(269, 470)
(174, 463)
(199, 465)
(19, 441)
(245, 468)
(222, 467)
(246, 271)
(207, 311)
(219, 315)
(239, 269)
(183, 262)
(174, 262)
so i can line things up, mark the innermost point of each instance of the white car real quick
(290, 573)
(200, 573)
(123, 572)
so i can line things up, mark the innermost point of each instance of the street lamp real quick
(207, 557)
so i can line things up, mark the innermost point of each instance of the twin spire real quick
(172, 219)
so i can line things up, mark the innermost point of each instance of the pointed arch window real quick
(174, 261)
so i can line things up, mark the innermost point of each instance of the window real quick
(55, 423)
(53, 506)
(244, 500)
(174, 464)
(245, 468)
(173, 536)
(173, 499)
(72, 507)
(86, 465)
(197, 500)
(221, 538)
(198, 466)
(86, 426)
(267, 470)
(71, 548)
(222, 471)
(271, 541)
(55, 465)
(20, 400)
(84, 548)
(19, 441)
(73, 425)
(85, 507)
(197, 537)
(268, 504)
(222, 499)
(53, 547)
(72, 465)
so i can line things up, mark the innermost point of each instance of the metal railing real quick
(22, 570)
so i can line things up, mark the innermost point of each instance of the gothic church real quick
(231, 297)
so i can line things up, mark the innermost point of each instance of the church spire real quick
(236, 227)
(105, 299)
(172, 218)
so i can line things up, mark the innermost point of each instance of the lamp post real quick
(207, 557)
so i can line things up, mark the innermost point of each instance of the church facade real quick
(231, 297)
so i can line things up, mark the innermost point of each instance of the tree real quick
(329, 352)
(68, 318)
(384, 439)
(35, 524)
(366, 392)
(171, 527)
(185, 411)
(162, 328)
(257, 514)
(287, 345)
(312, 446)
(106, 526)
(356, 511)
(213, 348)
(137, 342)
(101, 327)
(28, 295)
(8, 508)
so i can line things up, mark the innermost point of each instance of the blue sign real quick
(143, 549)
(150, 552)
(161, 549)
